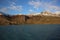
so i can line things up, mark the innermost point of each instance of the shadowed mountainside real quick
(24, 19)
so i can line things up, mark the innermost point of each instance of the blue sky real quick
(28, 6)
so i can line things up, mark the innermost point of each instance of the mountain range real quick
(37, 18)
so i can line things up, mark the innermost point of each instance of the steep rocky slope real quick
(3, 20)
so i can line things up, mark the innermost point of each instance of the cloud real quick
(36, 4)
(12, 7)
(50, 7)
(16, 8)
(4, 9)
(45, 5)
(30, 10)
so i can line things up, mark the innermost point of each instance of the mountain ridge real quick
(29, 19)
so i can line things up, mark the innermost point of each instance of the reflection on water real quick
(30, 32)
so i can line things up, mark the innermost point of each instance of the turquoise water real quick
(30, 32)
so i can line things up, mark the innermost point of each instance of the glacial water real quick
(30, 32)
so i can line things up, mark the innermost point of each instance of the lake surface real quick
(30, 32)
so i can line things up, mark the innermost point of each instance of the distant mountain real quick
(58, 12)
(46, 13)
(40, 18)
